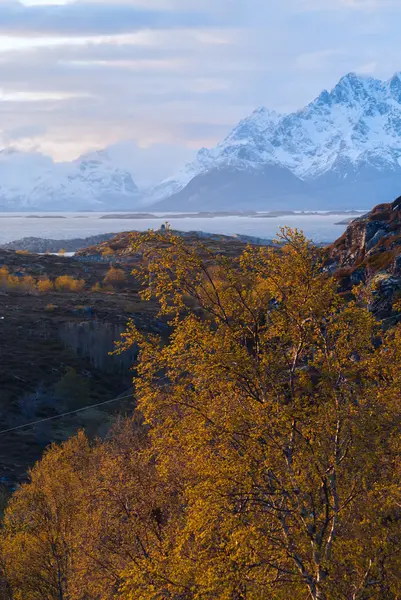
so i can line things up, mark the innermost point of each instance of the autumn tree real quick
(86, 515)
(269, 398)
(37, 540)
(66, 283)
(129, 516)
(263, 460)
(45, 285)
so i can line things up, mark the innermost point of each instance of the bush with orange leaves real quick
(45, 286)
(29, 285)
(15, 284)
(115, 278)
(66, 283)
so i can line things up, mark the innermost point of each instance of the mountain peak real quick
(264, 113)
(349, 136)
(355, 89)
(394, 85)
(260, 121)
(33, 180)
(351, 78)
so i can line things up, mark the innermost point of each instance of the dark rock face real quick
(370, 252)
(397, 266)
(373, 240)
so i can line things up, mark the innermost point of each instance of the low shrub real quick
(15, 284)
(45, 286)
(3, 275)
(66, 283)
(27, 284)
(115, 277)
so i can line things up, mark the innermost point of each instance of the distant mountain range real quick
(95, 181)
(342, 151)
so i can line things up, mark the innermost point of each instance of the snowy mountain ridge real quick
(93, 181)
(340, 136)
(342, 150)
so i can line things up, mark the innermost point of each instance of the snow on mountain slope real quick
(244, 147)
(343, 150)
(346, 136)
(357, 123)
(94, 181)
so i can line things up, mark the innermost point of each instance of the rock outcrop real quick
(371, 242)
(370, 252)
(43, 245)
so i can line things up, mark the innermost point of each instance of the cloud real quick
(91, 18)
(27, 132)
(346, 5)
(174, 75)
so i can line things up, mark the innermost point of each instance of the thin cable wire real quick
(66, 414)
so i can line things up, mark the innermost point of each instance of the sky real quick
(172, 76)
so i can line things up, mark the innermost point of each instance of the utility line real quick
(66, 414)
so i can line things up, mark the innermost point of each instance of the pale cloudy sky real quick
(174, 75)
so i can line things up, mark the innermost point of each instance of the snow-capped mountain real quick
(244, 147)
(94, 181)
(343, 150)
(344, 147)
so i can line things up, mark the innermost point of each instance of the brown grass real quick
(380, 261)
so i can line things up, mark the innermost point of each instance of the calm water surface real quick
(13, 226)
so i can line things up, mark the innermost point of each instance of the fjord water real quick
(318, 227)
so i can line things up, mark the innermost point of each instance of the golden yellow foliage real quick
(45, 286)
(20, 284)
(66, 283)
(16, 284)
(267, 465)
(107, 252)
(39, 526)
(115, 278)
(269, 402)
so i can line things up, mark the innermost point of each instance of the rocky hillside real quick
(45, 245)
(370, 252)
(119, 248)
